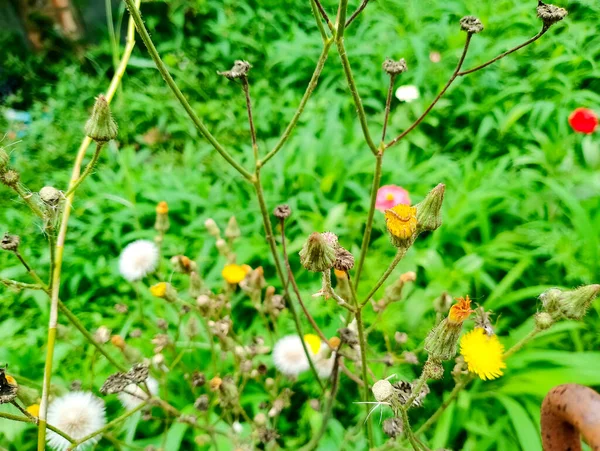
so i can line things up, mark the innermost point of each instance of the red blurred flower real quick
(389, 196)
(583, 120)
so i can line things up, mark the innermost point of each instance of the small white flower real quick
(138, 259)
(407, 93)
(78, 414)
(133, 395)
(289, 356)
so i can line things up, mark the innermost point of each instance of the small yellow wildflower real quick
(159, 290)
(234, 274)
(460, 311)
(118, 341)
(313, 342)
(335, 342)
(483, 354)
(33, 410)
(340, 274)
(162, 208)
(401, 221)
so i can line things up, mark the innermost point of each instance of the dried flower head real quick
(8, 387)
(344, 260)
(115, 383)
(550, 14)
(50, 195)
(460, 311)
(394, 67)
(404, 390)
(101, 126)
(471, 25)
(77, 414)
(202, 403)
(393, 427)
(483, 354)
(282, 211)
(240, 69)
(401, 222)
(138, 259)
(10, 242)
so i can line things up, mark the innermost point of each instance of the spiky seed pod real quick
(344, 260)
(10, 178)
(550, 14)
(282, 211)
(10, 242)
(240, 69)
(394, 67)
(471, 25)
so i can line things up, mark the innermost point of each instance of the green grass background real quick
(521, 214)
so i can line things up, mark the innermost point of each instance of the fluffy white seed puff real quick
(135, 395)
(78, 414)
(289, 357)
(138, 259)
(407, 93)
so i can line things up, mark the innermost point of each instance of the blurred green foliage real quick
(522, 208)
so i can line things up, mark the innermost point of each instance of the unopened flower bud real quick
(222, 247)
(10, 242)
(551, 300)
(212, 228)
(260, 419)
(441, 342)
(318, 253)
(471, 24)
(394, 67)
(429, 211)
(162, 223)
(400, 337)
(543, 320)
(240, 69)
(282, 211)
(443, 303)
(50, 195)
(233, 229)
(393, 427)
(433, 369)
(101, 127)
(10, 178)
(574, 303)
(344, 260)
(550, 14)
(102, 335)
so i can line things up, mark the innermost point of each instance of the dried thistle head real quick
(394, 67)
(101, 126)
(50, 196)
(240, 69)
(471, 25)
(550, 14)
(344, 260)
(10, 242)
(282, 211)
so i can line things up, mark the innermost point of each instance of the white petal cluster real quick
(77, 414)
(407, 93)
(138, 259)
(133, 395)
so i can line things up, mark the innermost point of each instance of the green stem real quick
(162, 68)
(26, 196)
(449, 400)
(399, 255)
(317, 16)
(408, 431)
(87, 171)
(309, 90)
(20, 285)
(522, 342)
(363, 358)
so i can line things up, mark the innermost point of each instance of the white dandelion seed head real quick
(407, 93)
(289, 356)
(138, 259)
(133, 395)
(78, 414)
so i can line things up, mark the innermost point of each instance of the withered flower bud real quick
(348, 336)
(10, 242)
(50, 195)
(429, 210)
(212, 228)
(394, 67)
(266, 435)
(550, 14)
(10, 178)
(161, 323)
(121, 308)
(471, 25)
(401, 337)
(443, 303)
(318, 252)
(118, 341)
(344, 260)
(393, 427)
(8, 387)
(282, 211)
(260, 419)
(162, 223)
(198, 379)
(215, 383)
(138, 373)
(183, 264)
(201, 403)
(441, 342)
(102, 335)
(101, 127)
(136, 333)
(240, 69)
(232, 231)
(433, 369)
(543, 320)
(115, 383)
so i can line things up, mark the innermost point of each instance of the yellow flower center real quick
(159, 290)
(34, 410)
(401, 220)
(234, 273)
(483, 354)
(389, 196)
(313, 342)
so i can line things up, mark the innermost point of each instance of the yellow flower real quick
(234, 273)
(401, 221)
(483, 354)
(34, 410)
(162, 208)
(460, 311)
(159, 290)
(313, 342)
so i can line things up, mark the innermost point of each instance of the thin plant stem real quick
(109, 425)
(522, 342)
(292, 279)
(246, 89)
(317, 15)
(15, 284)
(508, 52)
(416, 390)
(324, 14)
(26, 196)
(399, 255)
(355, 14)
(33, 420)
(114, 46)
(408, 431)
(438, 97)
(162, 68)
(388, 104)
(60, 242)
(273, 246)
(339, 40)
(87, 171)
(449, 400)
(309, 90)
